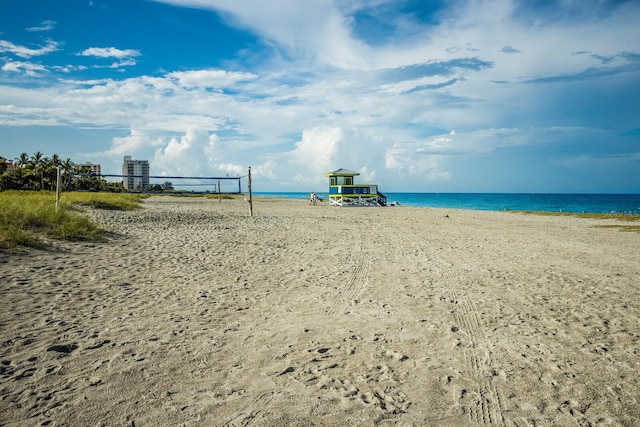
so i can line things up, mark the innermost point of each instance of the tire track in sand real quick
(355, 284)
(250, 413)
(488, 404)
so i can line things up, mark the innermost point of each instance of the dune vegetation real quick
(29, 218)
(623, 225)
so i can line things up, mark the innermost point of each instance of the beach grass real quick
(622, 227)
(111, 201)
(226, 196)
(625, 217)
(612, 215)
(27, 218)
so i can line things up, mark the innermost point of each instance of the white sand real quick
(198, 314)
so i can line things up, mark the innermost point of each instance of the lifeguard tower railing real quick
(353, 189)
(356, 195)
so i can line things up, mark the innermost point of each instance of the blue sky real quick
(425, 96)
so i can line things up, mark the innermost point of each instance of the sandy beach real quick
(196, 314)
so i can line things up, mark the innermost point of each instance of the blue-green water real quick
(593, 203)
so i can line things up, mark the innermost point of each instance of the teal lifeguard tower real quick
(343, 191)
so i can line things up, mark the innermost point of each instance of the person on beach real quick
(313, 199)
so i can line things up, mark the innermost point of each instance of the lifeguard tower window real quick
(333, 180)
(348, 180)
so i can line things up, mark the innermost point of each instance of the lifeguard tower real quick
(344, 192)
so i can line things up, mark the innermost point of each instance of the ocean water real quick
(592, 203)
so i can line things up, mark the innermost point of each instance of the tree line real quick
(39, 172)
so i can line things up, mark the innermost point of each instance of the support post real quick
(219, 194)
(250, 196)
(58, 187)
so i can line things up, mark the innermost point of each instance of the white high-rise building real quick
(136, 173)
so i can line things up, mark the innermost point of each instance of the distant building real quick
(89, 167)
(135, 174)
(10, 166)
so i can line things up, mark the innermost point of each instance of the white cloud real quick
(327, 99)
(316, 150)
(209, 78)
(28, 68)
(25, 52)
(109, 52)
(313, 29)
(125, 63)
(367, 176)
(46, 25)
(69, 68)
(405, 159)
(135, 144)
(431, 157)
(267, 170)
(185, 156)
(231, 169)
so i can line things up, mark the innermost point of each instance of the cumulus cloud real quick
(28, 68)
(184, 156)
(26, 52)
(332, 93)
(135, 144)
(317, 148)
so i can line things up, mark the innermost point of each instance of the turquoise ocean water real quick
(593, 203)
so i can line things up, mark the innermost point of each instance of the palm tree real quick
(25, 175)
(37, 163)
(67, 167)
(36, 159)
(50, 171)
(22, 161)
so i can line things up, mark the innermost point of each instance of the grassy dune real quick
(28, 217)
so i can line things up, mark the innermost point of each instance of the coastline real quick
(543, 202)
(198, 314)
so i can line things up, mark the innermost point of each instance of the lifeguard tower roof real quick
(342, 172)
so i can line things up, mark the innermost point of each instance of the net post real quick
(250, 196)
(58, 187)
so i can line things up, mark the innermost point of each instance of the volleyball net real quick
(162, 183)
